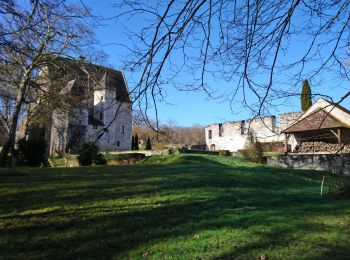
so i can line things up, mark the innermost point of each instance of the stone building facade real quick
(103, 117)
(232, 136)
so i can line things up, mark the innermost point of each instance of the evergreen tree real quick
(133, 143)
(305, 96)
(148, 144)
(136, 140)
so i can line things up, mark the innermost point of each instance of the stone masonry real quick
(232, 136)
(105, 118)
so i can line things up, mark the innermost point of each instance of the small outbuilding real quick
(323, 128)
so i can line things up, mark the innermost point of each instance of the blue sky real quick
(189, 108)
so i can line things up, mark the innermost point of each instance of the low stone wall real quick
(320, 162)
(145, 152)
(188, 151)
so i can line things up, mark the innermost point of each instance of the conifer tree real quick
(133, 143)
(148, 144)
(305, 96)
(136, 140)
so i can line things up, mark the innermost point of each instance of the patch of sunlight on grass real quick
(171, 207)
(40, 211)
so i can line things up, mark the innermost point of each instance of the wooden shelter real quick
(323, 121)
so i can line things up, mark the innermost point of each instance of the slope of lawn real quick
(174, 207)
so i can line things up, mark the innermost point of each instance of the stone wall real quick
(320, 162)
(123, 127)
(115, 116)
(233, 135)
(287, 119)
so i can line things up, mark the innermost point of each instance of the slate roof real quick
(317, 120)
(83, 74)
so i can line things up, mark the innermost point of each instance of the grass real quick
(171, 207)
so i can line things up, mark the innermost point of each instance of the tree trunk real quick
(10, 143)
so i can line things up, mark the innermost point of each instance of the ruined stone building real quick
(324, 127)
(103, 114)
(233, 136)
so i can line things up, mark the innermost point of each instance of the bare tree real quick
(34, 37)
(262, 48)
(169, 134)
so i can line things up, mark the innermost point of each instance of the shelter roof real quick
(317, 120)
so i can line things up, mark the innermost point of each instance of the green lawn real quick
(175, 207)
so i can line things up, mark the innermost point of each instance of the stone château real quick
(103, 116)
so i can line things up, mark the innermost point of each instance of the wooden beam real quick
(334, 132)
(339, 136)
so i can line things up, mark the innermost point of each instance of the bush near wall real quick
(31, 150)
(88, 154)
(112, 159)
(125, 158)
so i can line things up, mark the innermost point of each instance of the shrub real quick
(88, 155)
(172, 150)
(100, 159)
(32, 151)
(253, 151)
(224, 152)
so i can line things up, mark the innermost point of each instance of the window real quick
(122, 130)
(210, 134)
(94, 127)
(101, 98)
(118, 143)
(101, 115)
(79, 122)
(242, 127)
(221, 130)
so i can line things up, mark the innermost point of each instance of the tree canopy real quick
(34, 35)
(258, 51)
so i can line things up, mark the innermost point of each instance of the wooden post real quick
(322, 186)
(339, 136)
(285, 142)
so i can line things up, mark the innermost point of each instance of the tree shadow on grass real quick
(77, 234)
(184, 201)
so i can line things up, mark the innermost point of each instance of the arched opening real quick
(212, 147)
